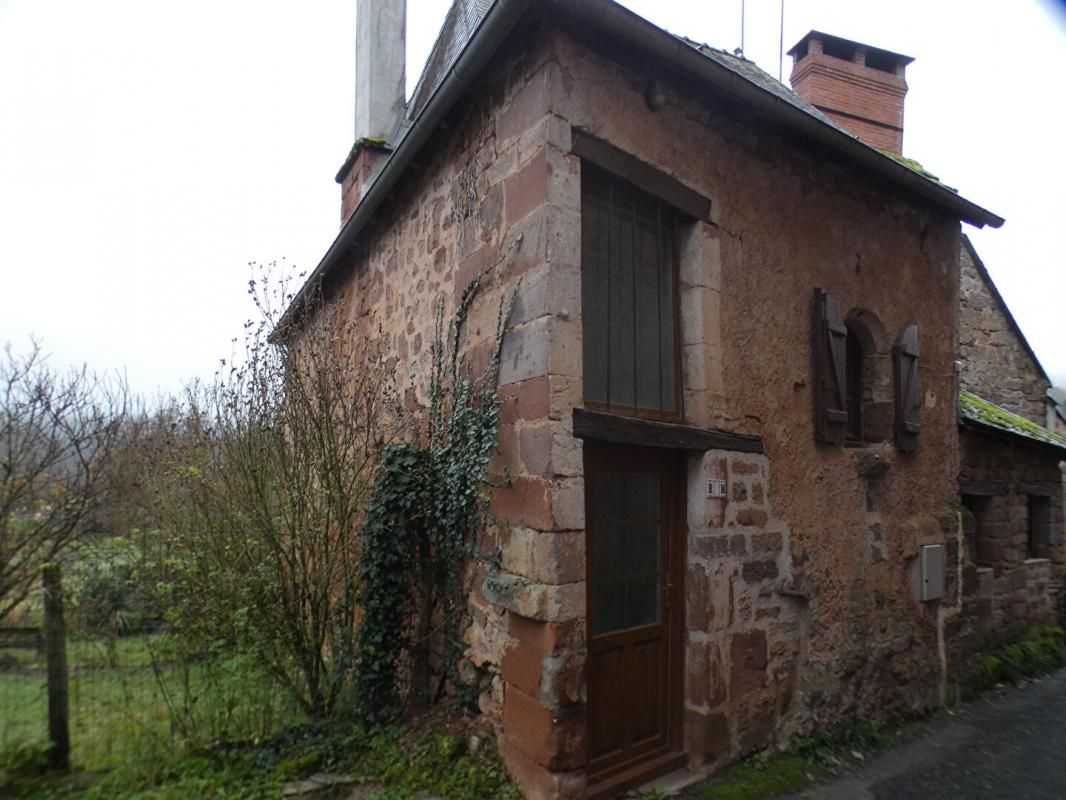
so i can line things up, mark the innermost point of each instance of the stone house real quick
(1011, 476)
(730, 400)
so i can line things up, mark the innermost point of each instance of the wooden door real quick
(634, 529)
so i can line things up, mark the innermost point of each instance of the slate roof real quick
(464, 16)
(457, 52)
(979, 412)
(458, 29)
(751, 71)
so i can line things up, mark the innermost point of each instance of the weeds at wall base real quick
(824, 753)
(397, 763)
(1037, 651)
(820, 754)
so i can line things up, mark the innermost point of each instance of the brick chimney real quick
(380, 92)
(860, 88)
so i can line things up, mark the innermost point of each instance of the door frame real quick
(620, 775)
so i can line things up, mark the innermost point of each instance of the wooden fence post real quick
(55, 649)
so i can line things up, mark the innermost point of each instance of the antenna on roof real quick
(742, 28)
(781, 47)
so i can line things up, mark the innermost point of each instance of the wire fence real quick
(135, 686)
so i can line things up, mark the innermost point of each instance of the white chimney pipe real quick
(380, 67)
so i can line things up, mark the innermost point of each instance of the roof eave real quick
(495, 26)
(987, 427)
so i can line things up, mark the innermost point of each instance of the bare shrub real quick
(264, 498)
(56, 431)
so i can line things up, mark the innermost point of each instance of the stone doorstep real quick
(673, 782)
(321, 782)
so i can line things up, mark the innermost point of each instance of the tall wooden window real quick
(628, 299)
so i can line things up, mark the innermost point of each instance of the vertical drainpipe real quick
(946, 612)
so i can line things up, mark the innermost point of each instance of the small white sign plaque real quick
(715, 488)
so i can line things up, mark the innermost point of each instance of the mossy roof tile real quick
(983, 413)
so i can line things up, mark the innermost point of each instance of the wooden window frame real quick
(1039, 530)
(671, 229)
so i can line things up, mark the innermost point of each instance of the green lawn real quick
(124, 710)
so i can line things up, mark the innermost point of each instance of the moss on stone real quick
(983, 412)
(374, 142)
(912, 164)
(756, 778)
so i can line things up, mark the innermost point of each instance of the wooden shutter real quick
(908, 399)
(830, 368)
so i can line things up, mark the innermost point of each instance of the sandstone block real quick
(527, 400)
(708, 737)
(748, 657)
(527, 107)
(568, 504)
(552, 740)
(537, 782)
(524, 354)
(526, 501)
(527, 189)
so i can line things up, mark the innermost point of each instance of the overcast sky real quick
(149, 149)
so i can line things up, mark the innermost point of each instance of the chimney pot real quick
(860, 88)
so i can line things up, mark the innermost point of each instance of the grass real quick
(395, 764)
(208, 729)
(128, 703)
(1037, 651)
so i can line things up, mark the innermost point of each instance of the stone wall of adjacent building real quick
(1012, 586)
(995, 364)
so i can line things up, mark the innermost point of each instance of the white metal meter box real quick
(932, 577)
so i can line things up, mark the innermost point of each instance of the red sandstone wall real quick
(483, 185)
(823, 606)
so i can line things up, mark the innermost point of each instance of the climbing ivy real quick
(426, 509)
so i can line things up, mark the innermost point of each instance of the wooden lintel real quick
(648, 178)
(647, 433)
(1038, 489)
(984, 488)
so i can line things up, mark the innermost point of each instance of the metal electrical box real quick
(932, 577)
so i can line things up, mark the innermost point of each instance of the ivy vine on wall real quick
(428, 504)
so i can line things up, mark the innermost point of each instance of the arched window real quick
(868, 388)
(852, 380)
(856, 380)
